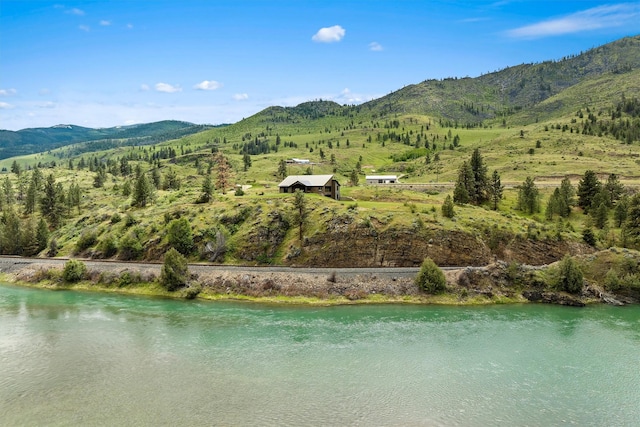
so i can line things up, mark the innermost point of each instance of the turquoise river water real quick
(73, 358)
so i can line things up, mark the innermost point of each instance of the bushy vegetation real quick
(175, 271)
(569, 276)
(74, 271)
(430, 277)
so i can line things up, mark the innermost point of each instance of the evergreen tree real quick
(528, 197)
(620, 212)
(567, 192)
(632, 223)
(29, 239)
(42, 234)
(100, 178)
(156, 178)
(180, 235)
(614, 189)
(282, 169)
(480, 183)
(464, 184)
(12, 233)
(246, 161)
(7, 190)
(171, 181)
(300, 212)
(495, 190)
(50, 205)
(354, 178)
(448, 208)
(207, 190)
(600, 215)
(588, 187)
(15, 168)
(143, 191)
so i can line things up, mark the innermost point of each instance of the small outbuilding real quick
(326, 185)
(381, 179)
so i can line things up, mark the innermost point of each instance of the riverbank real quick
(497, 283)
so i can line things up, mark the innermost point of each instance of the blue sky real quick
(109, 63)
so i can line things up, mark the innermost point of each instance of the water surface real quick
(71, 358)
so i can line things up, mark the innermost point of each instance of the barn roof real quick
(306, 180)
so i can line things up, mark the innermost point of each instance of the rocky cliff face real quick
(347, 242)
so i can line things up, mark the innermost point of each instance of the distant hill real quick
(471, 100)
(500, 94)
(35, 140)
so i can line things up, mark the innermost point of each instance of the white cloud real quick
(240, 96)
(375, 46)
(595, 18)
(144, 87)
(129, 26)
(8, 92)
(44, 91)
(329, 34)
(48, 104)
(84, 28)
(167, 88)
(348, 97)
(105, 23)
(5, 106)
(208, 85)
(75, 11)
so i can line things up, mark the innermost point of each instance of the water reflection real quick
(122, 360)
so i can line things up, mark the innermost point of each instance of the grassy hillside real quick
(588, 120)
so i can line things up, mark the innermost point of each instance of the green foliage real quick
(570, 278)
(74, 271)
(87, 239)
(430, 277)
(589, 237)
(300, 213)
(130, 246)
(447, 207)
(495, 190)
(175, 271)
(108, 246)
(143, 193)
(528, 197)
(180, 235)
(588, 187)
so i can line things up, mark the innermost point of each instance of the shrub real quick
(430, 278)
(569, 276)
(175, 271)
(116, 218)
(588, 237)
(108, 246)
(85, 241)
(74, 271)
(130, 246)
(447, 208)
(180, 235)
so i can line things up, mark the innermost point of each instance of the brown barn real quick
(326, 185)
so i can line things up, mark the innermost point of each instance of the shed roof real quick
(306, 180)
(381, 177)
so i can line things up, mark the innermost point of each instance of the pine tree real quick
(495, 190)
(614, 189)
(42, 234)
(464, 185)
(207, 190)
(478, 190)
(588, 187)
(448, 208)
(300, 213)
(282, 169)
(50, 205)
(528, 197)
(143, 191)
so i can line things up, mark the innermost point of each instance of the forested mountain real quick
(35, 140)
